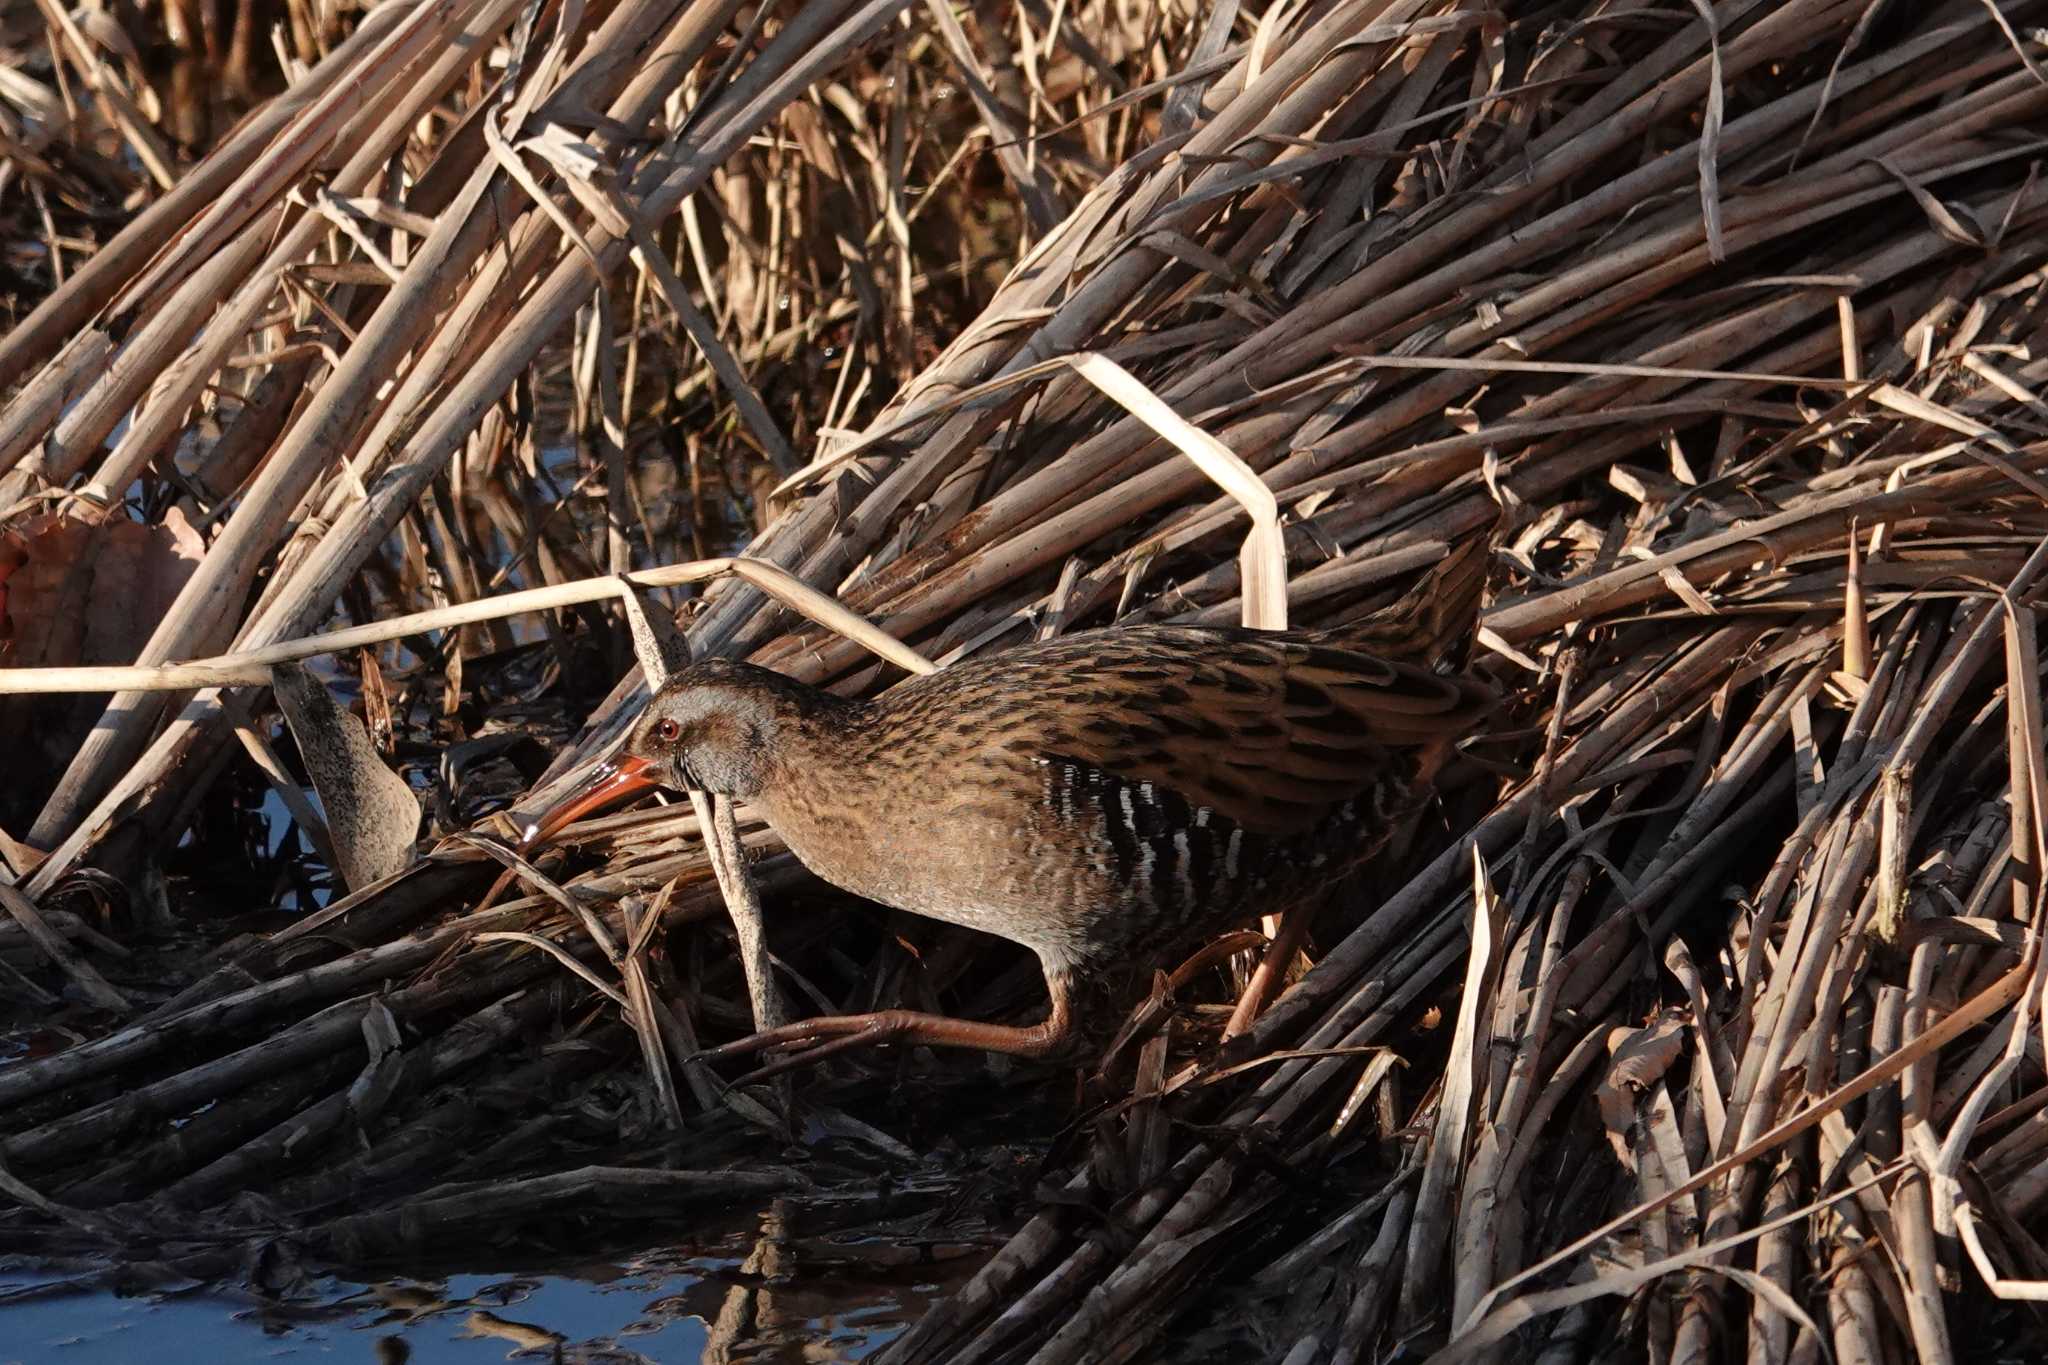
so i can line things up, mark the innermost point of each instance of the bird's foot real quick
(809, 1041)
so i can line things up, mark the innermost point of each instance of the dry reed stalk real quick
(1688, 301)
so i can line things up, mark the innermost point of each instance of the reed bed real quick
(1699, 1018)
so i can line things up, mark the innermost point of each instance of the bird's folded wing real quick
(1271, 733)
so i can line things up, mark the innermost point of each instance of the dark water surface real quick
(743, 1297)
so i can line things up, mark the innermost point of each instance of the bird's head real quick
(713, 727)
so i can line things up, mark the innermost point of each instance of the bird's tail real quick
(1435, 620)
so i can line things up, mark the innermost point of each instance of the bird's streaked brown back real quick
(1267, 729)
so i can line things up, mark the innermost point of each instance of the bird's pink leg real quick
(831, 1034)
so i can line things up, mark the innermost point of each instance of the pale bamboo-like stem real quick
(743, 902)
(252, 666)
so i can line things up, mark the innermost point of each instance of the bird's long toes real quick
(810, 1052)
(778, 1067)
(804, 1040)
(790, 1035)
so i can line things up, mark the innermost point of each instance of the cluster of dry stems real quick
(1714, 1026)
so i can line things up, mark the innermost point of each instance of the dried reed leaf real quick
(1263, 560)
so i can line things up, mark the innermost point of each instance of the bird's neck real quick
(823, 785)
(821, 753)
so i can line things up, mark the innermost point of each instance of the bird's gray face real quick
(712, 738)
(713, 728)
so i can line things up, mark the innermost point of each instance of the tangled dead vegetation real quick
(1703, 1016)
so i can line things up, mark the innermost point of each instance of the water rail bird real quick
(1108, 797)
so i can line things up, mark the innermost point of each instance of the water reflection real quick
(789, 1284)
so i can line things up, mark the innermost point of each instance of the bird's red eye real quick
(668, 731)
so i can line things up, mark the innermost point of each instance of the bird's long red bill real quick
(613, 782)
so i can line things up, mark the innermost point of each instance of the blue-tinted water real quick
(652, 1306)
